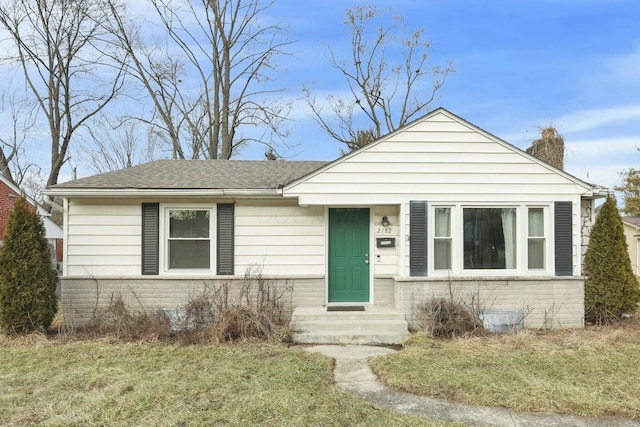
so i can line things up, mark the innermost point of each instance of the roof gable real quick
(440, 155)
(447, 129)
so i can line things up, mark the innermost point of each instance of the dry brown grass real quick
(108, 382)
(592, 371)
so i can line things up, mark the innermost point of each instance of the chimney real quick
(549, 148)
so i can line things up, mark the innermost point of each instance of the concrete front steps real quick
(375, 325)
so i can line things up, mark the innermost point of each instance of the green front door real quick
(349, 255)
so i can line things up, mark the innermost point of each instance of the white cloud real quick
(588, 119)
(600, 160)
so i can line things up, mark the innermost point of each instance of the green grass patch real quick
(586, 372)
(101, 382)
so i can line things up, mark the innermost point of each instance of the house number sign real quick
(383, 230)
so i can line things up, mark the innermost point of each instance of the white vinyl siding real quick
(102, 238)
(279, 237)
(438, 159)
(282, 239)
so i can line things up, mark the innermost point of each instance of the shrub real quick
(119, 320)
(611, 289)
(447, 318)
(252, 308)
(246, 309)
(27, 278)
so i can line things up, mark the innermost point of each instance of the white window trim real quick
(431, 240)
(164, 233)
(548, 260)
(457, 227)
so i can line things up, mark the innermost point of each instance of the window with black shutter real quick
(418, 236)
(563, 238)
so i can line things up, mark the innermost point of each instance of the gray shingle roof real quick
(633, 220)
(199, 174)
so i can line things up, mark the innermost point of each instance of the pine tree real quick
(27, 278)
(611, 289)
(630, 188)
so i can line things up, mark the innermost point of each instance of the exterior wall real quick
(587, 219)
(632, 235)
(383, 292)
(104, 237)
(436, 159)
(385, 260)
(546, 302)
(82, 298)
(7, 200)
(283, 238)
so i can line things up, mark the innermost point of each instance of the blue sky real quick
(519, 65)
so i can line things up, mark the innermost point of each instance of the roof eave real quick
(597, 192)
(162, 192)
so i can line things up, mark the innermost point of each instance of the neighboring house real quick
(631, 226)
(438, 207)
(53, 232)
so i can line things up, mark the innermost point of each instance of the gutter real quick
(597, 192)
(178, 193)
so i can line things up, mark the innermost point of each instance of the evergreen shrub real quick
(611, 288)
(27, 278)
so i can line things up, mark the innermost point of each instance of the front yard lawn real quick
(581, 372)
(104, 382)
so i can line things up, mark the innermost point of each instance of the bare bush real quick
(447, 318)
(120, 320)
(252, 308)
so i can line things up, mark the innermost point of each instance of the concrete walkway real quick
(353, 375)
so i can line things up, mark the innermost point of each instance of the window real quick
(490, 238)
(442, 239)
(183, 238)
(485, 240)
(189, 239)
(536, 240)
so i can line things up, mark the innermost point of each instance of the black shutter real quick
(224, 234)
(418, 236)
(563, 239)
(150, 238)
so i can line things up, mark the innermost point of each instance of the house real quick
(631, 225)
(9, 192)
(437, 208)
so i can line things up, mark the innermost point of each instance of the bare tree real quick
(61, 49)
(210, 84)
(388, 79)
(12, 140)
(118, 145)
